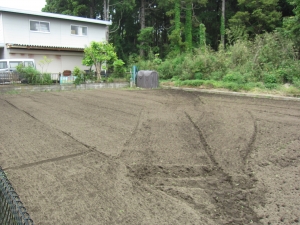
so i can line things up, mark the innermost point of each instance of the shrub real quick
(234, 77)
(216, 75)
(271, 85)
(33, 76)
(80, 76)
(110, 79)
(232, 86)
(269, 78)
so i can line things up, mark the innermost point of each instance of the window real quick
(14, 64)
(78, 30)
(39, 26)
(28, 63)
(3, 65)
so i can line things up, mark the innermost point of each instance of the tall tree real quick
(202, 37)
(222, 29)
(142, 22)
(291, 25)
(257, 16)
(188, 25)
(175, 36)
(68, 7)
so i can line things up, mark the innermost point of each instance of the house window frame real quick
(39, 31)
(77, 35)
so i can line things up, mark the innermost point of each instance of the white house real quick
(62, 38)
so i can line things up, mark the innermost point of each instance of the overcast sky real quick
(33, 5)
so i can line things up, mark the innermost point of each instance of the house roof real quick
(54, 15)
(43, 47)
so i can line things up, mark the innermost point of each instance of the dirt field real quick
(154, 157)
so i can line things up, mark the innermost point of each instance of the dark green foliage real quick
(256, 17)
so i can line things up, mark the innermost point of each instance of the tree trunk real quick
(223, 25)
(188, 26)
(104, 10)
(92, 9)
(98, 70)
(142, 22)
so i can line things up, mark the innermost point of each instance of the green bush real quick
(271, 85)
(234, 77)
(296, 82)
(269, 78)
(216, 75)
(46, 78)
(80, 76)
(232, 86)
(33, 76)
(110, 79)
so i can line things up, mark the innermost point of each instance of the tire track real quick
(23, 166)
(206, 146)
(65, 133)
(135, 128)
(245, 154)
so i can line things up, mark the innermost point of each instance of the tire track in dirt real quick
(65, 133)
(231, 194)
(133, 133)
(206, 146)
(48, 160)
(21, 110)
(249, 148)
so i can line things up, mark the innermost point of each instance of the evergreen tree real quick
(256, 16)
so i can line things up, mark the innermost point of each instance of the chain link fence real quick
(12, 211)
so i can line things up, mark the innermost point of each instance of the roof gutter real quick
(40, 47)
(54, 15)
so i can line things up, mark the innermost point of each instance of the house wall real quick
(1, 30)
(60, 60)
(16, 29)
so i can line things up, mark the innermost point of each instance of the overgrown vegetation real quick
(267, 62)
(31, 75)
(238, 45)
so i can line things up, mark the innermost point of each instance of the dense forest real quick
(223, 37)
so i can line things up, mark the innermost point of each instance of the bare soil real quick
(150, 157)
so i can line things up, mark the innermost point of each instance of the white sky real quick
(32, 5)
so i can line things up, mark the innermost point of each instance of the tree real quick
(175, 36)
(222, 29)
(188, 25)
(142, 22)
(256, 16)
(145, 37)
(99, 53)
(291, 25)
(202, 37)
(69, 7)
